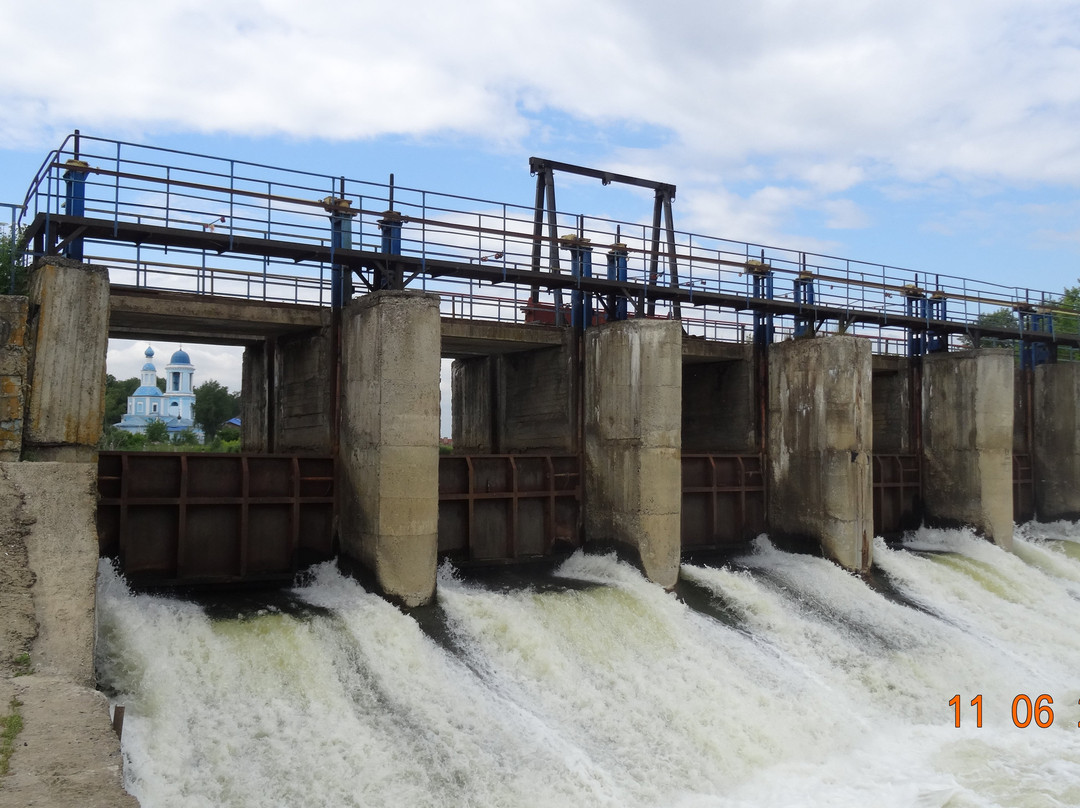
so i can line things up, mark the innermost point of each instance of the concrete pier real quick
(1056, 450)
(69, 337)
(389, 444)
(967, 416)
(633, 434)
(820, 433)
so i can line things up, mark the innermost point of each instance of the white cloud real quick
(817, 97)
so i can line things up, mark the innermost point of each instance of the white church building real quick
(175, 406)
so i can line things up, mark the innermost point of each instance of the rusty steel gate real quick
(192, 518)
(505, 507)
(897, 490)
(723, 500)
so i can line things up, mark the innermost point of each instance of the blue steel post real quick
(390, 228)
(762, 290)
(616, 271)
(1035, 353)
(341, 217)
(915, 304)
(936, 310)
(804, 296)
(75, 201)
(580, 267)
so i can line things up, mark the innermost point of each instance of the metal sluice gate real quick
(198, 519)
(187, 518)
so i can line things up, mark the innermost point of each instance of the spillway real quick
(775, 680)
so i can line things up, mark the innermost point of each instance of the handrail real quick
(137, 183)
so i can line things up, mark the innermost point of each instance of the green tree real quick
(157, 432)
(1068, 322)
(214, 405)
(11, 264)
(116, 396)
(999, 318)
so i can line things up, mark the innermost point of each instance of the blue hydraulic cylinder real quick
(804, 296)
(75, 201)
(341, 217)
(616, 271)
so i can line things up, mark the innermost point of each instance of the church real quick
(175, 406)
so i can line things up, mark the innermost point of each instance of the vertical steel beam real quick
(654, 256)
(673, 267)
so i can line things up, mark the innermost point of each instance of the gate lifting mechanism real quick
(580, 252)
(761, 275)
(927, 308)
(341, 217)
(804, 296)
(1033, 320)
(74, 198)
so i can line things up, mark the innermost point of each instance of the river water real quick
(776, 680)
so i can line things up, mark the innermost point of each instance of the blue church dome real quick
(149, 366)
(149, 353)
(146, 390)
(180, 358)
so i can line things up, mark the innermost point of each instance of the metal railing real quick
(129, 184)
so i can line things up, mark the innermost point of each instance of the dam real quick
(692, 395)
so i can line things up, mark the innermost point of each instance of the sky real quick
(937, 136)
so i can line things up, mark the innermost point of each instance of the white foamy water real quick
(792, 683)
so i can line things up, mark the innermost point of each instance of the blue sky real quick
(942, 137)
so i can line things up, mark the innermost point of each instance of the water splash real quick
(814, 690)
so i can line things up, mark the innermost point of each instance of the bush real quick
(185, 437)
(157, 432)
(228, 434)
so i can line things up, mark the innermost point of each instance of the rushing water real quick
(778, 680)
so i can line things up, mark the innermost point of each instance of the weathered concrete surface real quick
(892, 405)
(1056, 453)
(13, 357)
(256, 393)
(967, 400)
(820, 431)
(390, 440)
(633, 434)
(516, 402)
(62, 551)
(302, 419)
(473, 408)
(69, 328)
(67, 753)
(719, 406)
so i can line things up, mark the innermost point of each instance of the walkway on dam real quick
(174, 221)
